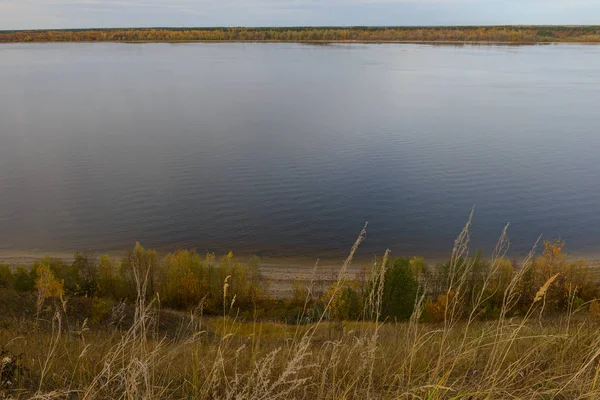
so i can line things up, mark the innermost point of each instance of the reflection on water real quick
(285, 149)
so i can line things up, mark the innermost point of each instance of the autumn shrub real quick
(141, 263)
(499, 283)
(24, 279)
(101, 310)
(245, 281)
(66, 272)
(108, 281)
(48, 286)
(85, 271)
(572, 279)
(400, 289)
(6, 276)
(186, 279)
(436, 310)
(345, 302)
(183, 279)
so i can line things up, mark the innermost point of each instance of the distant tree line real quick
(500, 34)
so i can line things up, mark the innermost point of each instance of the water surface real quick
(286, 149)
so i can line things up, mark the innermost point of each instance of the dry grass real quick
(460, 358)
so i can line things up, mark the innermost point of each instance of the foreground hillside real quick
(470, 329)
(522, 358)
(496, 34)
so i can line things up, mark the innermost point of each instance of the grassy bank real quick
(462, 34)
(224, 358)
(470, 329)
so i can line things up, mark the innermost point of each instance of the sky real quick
(52, 14)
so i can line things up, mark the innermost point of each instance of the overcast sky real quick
(37, 14)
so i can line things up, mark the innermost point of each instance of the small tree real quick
(180, 279)
(143, 263)
(6, 276)
(47, 286)
(400, 290)
(87, 272)
(23, 279)
(106, 276)
(346, 304)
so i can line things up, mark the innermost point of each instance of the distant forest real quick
(490, 34)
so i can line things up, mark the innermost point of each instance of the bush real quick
(6, 276)
(345, 303)
(107, 277)
(101, 310)
(47, 285)
(67, 273)
(435, 311)
(23, 279)
(181, 277)
(572, 279)
(400, 290)
(140, 262)
(86, 272)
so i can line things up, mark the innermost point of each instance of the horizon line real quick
(309, 27)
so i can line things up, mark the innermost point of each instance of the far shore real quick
(505, 35)
(323, 42)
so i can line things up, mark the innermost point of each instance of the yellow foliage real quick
(210, 258)
(553, 250)
(344, 302)
(100, 311)
(47, 285)
(559, 277)
(188, 279)
(417, 264)
(181, 283)
(435, 311)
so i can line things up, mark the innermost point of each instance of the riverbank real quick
(195, 327)
(282, 273)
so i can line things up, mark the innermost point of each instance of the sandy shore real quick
(14, 258)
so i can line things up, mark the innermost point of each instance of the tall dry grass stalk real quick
(129, 366)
